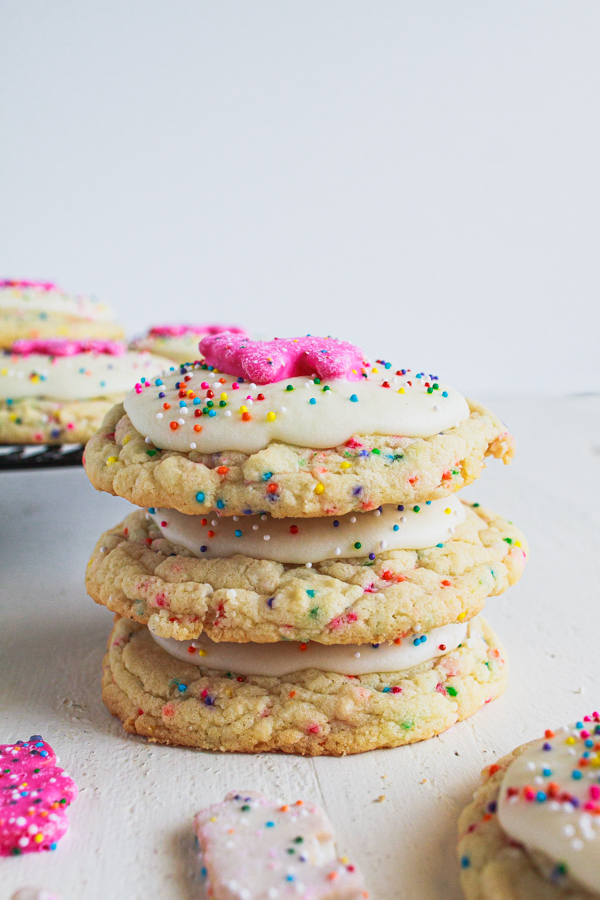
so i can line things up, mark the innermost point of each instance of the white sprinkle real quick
(531, 766)
(418, 627)
(403, 519)
(181, 421)
(21, 820)
(353, 519)
(255, 528)
(217, 386)
(231, 594)
(357, 655)
(309, 565)
(103, 549)
(263, 518)
(266, 537)
(235, 518)
(213, 522)
(148, 440)
(383, 544)
(377, 512)
(33, 829)
(228, 413)
(568, 831)
(436, 408)
(282, 409)
(159, 415)
(577, 844)
(338, 551)
(183, 410)
(193, 446)
(252, 386)
(249, 400)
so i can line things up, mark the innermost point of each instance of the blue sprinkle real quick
(203, 872)
(371, 556)
(444, 393)
(158, 382)
(53, 845)
(311, 593)
(540, 796)
(386, 690)
(203, 549)
(161, 394)
(220, 504)
(388, 365)
(269, 824)
(589, 743)
(547, 772)
(237, 532)
(151, 510)
(266, 476)
(183, 402)
(212, 412)
(312, 401)
(287, 877)
(197, 401)
(270, 602)
(182, 688)
(43, 753)
(354, 398)
(396, 528)
(200, 497)
(465, 862)
(428, 503)
(400, 508)
(335, 523)
(247, 512)
(439, 545)
(576, 774)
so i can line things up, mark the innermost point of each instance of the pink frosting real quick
(265, 362)
(66, 347)
(180, 330)
(34, 795)
(38, 285)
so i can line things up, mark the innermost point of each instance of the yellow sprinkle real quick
(213, 819)
(35, 378)
(319, 488)
(517, 544)
(448, 511)
(223, 396)
(243, 409)
(112, 460)
(374, 370)
(344, 465)
(13, 417)
(201, 652)
(461, 616)
(595, 762)
(3, 371)
(400, 390)
(570, 740)
(271, 417)
(126, 439)
(344, 860)
(39, 837)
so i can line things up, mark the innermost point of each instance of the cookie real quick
(34, 796)
(310, 712)
(285, 480)
(532, 830)
(179, 342)
(259, 849)
(138, 572)
(34, 309)
(59, 390)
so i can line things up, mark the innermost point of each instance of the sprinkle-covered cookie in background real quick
(532, 831)
(29, 893)
(359, 578)
(258, 849)
(179, 342)
(34, 796)
(310, 711)
(347, 437)
(58, 390)
(39, 309)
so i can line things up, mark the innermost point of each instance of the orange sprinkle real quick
(246, 416)
(197, 428)
(222, 470)
(211, 534)
(292, 694)
(548, 733)
(331, 876)
(284, 808)
(173, 426)
(299, 802)
(166, 406)
(303, 646)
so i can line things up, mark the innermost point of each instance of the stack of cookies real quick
(301, 576)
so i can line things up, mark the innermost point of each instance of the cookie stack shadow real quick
(297, 599)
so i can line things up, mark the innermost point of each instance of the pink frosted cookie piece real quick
(66, 347)
(23, 285)
(265, 362)
(181, 330)
(260, 849)
(34, 795)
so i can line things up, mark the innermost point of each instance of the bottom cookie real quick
(311, 712)
(36, 420)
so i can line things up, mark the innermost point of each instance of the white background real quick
(421, 178)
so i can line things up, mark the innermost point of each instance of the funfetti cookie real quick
(359, 578)
(39, 309)
(317, 432)
(532, 831)
(179, 342)
(34, 796)
(259, 697)
(59, 390)
(253, 848)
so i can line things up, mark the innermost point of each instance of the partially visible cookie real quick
(40, 310)
(310, 712)
(179, 342)
(267, 849)
(532, 829)
(138, 573)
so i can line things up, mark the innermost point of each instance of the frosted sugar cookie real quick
(361, 578)
(422, 688)
(259, 849)
(34, 796)
(38, 309)
(350, 437)
(59, 390)
(532, 831)
(179, 342)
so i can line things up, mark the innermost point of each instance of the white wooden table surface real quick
(130, 833)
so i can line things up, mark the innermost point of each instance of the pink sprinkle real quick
(39, 285)
(595, 791)
(66, 347)
(265, 362)
(180, 330)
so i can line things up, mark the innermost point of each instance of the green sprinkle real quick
(452, 691)
(317, 381)
(408, 724)
(290, 387)
(375, 451)
(416, 509)
(151, 452)
(314, 612)
(357, 545)
(311, 593)
(475, 505)
(508, 540)
(245, 808)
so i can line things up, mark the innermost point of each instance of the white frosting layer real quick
(311, 415)
(77, 377)
(181, 348)
(414, 527)
(285, 657)
(54, 301)
(549, 802)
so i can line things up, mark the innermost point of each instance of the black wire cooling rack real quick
(39, 456)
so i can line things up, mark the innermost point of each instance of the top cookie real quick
(179, 342)
(352, 438)
(35, 309)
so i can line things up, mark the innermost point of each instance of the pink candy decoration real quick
(180, 330)
(66, 347)
(23, 285)
(265, 362)
(34, 795)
